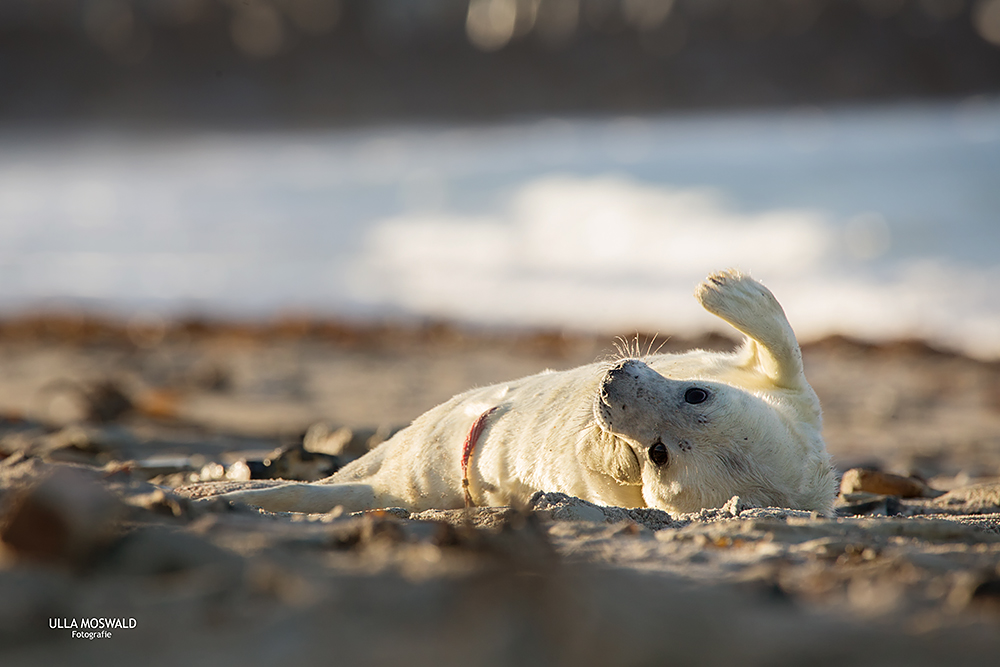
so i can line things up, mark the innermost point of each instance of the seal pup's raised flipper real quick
(771, 348)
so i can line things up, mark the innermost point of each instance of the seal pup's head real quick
(698, 443)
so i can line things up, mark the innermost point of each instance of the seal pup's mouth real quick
(659, 454)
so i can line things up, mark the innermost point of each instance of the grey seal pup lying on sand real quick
(677, 432)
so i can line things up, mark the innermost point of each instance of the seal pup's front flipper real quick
(771, 348)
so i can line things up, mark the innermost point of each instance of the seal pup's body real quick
(677, 432)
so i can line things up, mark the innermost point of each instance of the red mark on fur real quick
(470, 444)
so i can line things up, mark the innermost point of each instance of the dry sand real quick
(101, 423)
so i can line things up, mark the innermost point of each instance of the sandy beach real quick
(101, 422)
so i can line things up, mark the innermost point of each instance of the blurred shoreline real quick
(871, 222)
(144, 331)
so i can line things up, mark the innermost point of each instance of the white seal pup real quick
(677, 432)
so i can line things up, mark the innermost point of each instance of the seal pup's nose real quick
(624, 370)
(633, 400)
(623, 381)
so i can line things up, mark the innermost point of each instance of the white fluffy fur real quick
(588, 432)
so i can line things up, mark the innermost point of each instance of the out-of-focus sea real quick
(877, 222)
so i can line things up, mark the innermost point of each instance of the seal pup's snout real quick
(628, 369)
(635, 401)
(621, 387)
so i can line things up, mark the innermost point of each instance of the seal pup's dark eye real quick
(695, 395)
(658, 454)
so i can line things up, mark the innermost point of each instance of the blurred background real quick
(567, 164)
